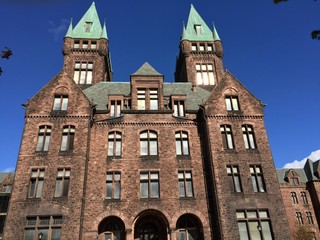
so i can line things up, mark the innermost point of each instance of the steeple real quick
(86, 50)
(89, 26)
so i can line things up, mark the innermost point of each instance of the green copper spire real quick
(215, 33)
(88, 27)
(69, 32)
(104, 31)
(197, 29)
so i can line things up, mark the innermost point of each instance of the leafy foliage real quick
(6, 54)
(303, 233)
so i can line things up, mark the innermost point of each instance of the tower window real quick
(141, 99)
(76, 44)
(209, 48)
(153, 99)
(201, 47)
(83, 72)
(205, 74)
(88, 26)
(85, 44)
(93, 45)
(194, 47)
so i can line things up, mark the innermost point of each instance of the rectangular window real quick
(294, 198)
(299, 218)
(115, 108)
(149, 185)
(60, 103)
(232, 103)
(234, 178)
(248, 137)
(153, 99)
(44, 136)
(113, 185)
(227, 139)
(114, 144)
(178, 108)
(4, 201)
(185, 184)
(141, 99)
(62, 182)
(83, 72)
(36, 183)
(67, 138)
(93, 45)
(2, 220)
(209, 48)
(309, 218)
(88, 26)
(257, 178)
(85, 44)
(148, 143)
(201, 47)
(194, 47)
(304, 198)
(49, 227)
(76, 44)
(254, 224)
(182, 143)
(205, 74)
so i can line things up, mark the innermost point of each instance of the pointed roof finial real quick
(104, 31)
(215, 33)
(69, 32)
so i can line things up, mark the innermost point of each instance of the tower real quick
(86, 50)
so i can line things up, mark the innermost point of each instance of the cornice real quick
(235, 117)
(154, 124)
(59, 117)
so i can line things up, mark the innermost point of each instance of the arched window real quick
(182, 143)
(67, 138)
(111, 228)
(114, 144)
(189, 228)
(44, 136)
(148, 143)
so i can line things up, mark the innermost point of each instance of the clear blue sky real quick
(267, 47)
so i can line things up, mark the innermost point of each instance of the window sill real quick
(187, 198)
(112, 200)
(111, 158)
(58, 113)
(149, 157)
(62, 198)
(66, 153)
(235, 113)
(41, 153)
(183, 157)
(151, 199)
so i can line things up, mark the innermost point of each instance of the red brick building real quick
(145, 159)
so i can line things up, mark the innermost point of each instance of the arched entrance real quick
(151, 225)
(189, 227)
(111, 228)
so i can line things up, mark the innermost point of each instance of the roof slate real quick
(147, 70)
(99, 93)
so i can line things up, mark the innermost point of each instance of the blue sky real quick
(267, 47)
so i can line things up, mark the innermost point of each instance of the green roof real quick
(99, 93)
(147, 70)
(89, 26)
(197, 29)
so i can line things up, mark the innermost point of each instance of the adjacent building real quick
(145, 159)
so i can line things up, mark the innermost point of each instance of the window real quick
(234, 178)
(115, 108)
(209, 48)
(227, 139)
(194, 47)
(178, 108)
(248, 137)
(62, 182)
(185, 184)
(85, 44)
(257, 178)
(88, 26)
(113, 185)
(141, 99)
(153, 99)
(254, 224)
(48, 226)
(304, 197)
(294, 198)
(232, 103)
(201, 47)
(148, 143)
(76, 44)
(83, 72)
(93, 45)
(149, 185)
(67, 138)
(309, 218)
(4, 201)
(36, 183)
(182, 143)
(205, 74)
(299, 217)
(114, 144)
(6, 188)
(44, 136)
(294, 181)
(197, 28)
(2, 220)
(60, 103)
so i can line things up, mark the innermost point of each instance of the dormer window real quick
(141, 99)
(197, 28)
(88, 26)
(148, 99)
(153, 99)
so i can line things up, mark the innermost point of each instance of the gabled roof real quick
(3, 175)
(146, 70)
(96, 31)
(190, 33)
(99, 93)
(282, 174)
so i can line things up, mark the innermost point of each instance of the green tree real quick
(6, 54)
(315, 34)
(303, 233)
